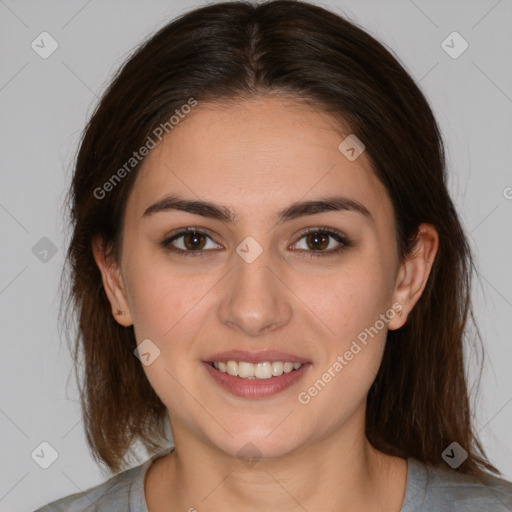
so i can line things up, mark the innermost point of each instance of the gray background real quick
(44, 104)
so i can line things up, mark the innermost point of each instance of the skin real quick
(257, 157)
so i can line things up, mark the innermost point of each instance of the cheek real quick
(162, 301)
(169, 310)
(354, 342)
(348, 306)
(348, 301)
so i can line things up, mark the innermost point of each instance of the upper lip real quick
(255, 356)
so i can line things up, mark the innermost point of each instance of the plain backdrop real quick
(44, 105)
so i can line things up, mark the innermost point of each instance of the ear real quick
(413, 273)
(113, 282)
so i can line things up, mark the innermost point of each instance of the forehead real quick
(256, 157)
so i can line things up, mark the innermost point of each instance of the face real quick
(314, 285)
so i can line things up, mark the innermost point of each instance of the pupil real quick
(196, 244)
(319, 239)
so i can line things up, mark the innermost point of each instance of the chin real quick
(256, 442)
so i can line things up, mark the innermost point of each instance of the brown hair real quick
(418, 403)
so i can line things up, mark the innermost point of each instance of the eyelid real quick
(322, 229)
(343, 241)
(167, 241)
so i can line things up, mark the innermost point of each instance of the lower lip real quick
(256, 388)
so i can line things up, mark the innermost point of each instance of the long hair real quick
(418, 403)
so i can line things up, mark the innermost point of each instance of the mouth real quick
(262, 370)
(255, 380)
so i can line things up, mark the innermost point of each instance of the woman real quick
(265, 254)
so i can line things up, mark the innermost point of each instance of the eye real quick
(189, 242)
(194, 242)
(318, 240)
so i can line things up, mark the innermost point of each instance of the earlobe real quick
(113, 283)
(413, 273)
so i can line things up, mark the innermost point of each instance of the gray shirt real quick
(428, 489)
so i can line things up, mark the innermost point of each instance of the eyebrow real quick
(226, 215)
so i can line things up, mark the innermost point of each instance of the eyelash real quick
(337, 235)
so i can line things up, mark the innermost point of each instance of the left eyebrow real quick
(226, 215)
(330, 204)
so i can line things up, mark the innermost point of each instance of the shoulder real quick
(114, 495)
(442, 489)
(123, 492)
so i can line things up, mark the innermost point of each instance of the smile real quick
(263, 370)
(260, 380)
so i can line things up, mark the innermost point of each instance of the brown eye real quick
(194, 240)
(317, 240)
(191, 241)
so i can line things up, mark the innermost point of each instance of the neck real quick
(340, 472)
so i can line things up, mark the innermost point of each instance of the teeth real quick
(245, 370)
(277, 368)
(232, 368)
(263, 370)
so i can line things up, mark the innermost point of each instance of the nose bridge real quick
(254, 299)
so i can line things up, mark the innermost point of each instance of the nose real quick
(254, 299)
